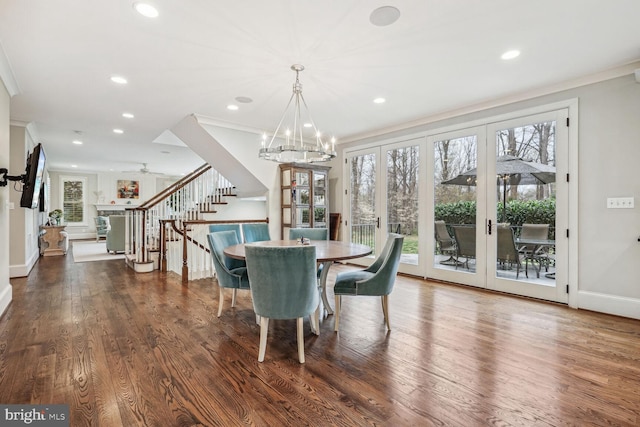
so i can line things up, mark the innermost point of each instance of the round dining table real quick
(327, 251)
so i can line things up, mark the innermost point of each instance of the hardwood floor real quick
(126, 349)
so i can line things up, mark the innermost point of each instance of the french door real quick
(487, 186)
(383, 197)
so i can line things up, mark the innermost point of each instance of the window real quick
(73, 199)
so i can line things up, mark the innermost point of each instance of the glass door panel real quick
(402, 198)
(363, 215)
(523, 204)
(456, 230)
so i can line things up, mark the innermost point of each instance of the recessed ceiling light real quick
(74, 166)
(383, 16)
(145, 9)
(127, 115)
(244, 99)
(510, 54)
(118, 131)
(307, 125)
(379, 101)
(232, 107)
(119, 79)
(77, 142)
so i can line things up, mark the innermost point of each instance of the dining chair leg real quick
(385, 310)
(220, 301)
(337, 312)
(314, 321)
(233, 297)
(300, 329)
(264, 329)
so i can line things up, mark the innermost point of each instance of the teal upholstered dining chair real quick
(376, 280)
(255, 232)
(283, 286)
(231, 273)
(214, 228)
(308, 233)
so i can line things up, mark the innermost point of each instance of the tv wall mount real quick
(4, 178)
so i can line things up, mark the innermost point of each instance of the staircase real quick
(168, 231)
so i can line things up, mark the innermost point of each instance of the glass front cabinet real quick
(304, 196)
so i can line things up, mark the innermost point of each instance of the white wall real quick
(25, 223)
(5, 286)
(608, 159)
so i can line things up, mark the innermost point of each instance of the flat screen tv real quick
(33, 178)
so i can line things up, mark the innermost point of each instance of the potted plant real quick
(55, 216)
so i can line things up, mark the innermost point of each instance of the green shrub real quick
(518, 213)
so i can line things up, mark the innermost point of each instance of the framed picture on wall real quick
(128, 189)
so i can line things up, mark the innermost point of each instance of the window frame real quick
(68, 178)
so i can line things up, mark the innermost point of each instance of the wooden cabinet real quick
(304, 196)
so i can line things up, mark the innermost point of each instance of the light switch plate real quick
(620, 203)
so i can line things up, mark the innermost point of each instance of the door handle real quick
(489, 227)
(378, 222)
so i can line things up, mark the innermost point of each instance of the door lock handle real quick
(489, 227)
(378, 222)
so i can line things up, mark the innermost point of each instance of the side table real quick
(52, 241)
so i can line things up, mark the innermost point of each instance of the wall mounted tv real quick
(33, 178)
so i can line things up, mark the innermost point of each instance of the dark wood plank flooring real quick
(126, 349)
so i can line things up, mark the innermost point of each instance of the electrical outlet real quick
(620, 203)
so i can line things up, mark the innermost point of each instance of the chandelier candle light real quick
(290, 145)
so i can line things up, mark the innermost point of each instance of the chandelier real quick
(299, 140)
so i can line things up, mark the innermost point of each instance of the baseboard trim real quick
(6, 295)
(610, 304)
(23, 270)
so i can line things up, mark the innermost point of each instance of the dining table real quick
(327, 252)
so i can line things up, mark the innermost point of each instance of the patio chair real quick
(535, 253)
(445, 243)
(465, 236)
(507, 253)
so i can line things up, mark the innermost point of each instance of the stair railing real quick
(185, 200)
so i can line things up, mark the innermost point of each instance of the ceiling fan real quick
(144, 170)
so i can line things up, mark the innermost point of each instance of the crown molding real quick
(608, 74)
(6, 74)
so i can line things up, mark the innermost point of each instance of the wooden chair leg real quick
(233, 297)
(336, 313)
(314, 320)
(300, 329)
(385, 310)
(264, 329)
(220, 301)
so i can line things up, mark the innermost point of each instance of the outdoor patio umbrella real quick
(510, 170)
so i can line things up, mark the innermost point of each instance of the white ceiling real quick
(198, 56)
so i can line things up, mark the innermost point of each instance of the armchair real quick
(116, 234)
(102, 226)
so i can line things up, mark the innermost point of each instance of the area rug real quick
(92, 251)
